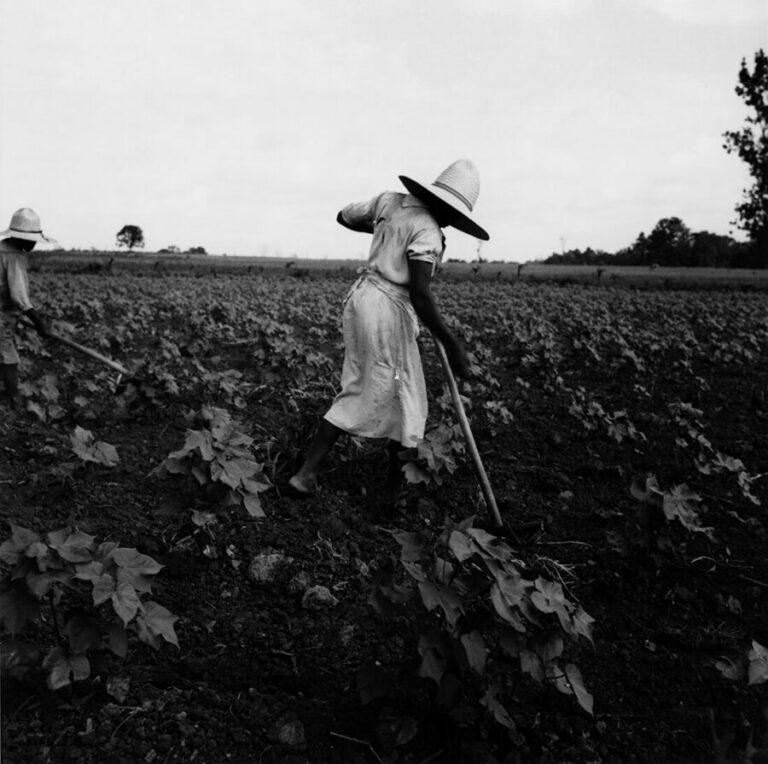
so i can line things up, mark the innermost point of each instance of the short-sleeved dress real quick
(383, 394)
(14, 297)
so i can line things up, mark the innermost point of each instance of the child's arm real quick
(420, 274)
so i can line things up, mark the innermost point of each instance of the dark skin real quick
(420, 277)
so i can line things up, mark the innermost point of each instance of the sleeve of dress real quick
(427, 246)
(18, 285)
(361, 215)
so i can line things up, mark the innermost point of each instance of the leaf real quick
(531, 664)
(584, 698)
(582, 623)
(732, 668)
(36, 409)
(490, 544)
(103, 589)
(83, 634)
(40, 584)
(250, 485)
(62, 669)
(15, 547)
(476, 651)
(196, 440)
(17, 608)
(105, 453)
(443, 571)
(511, 642)
(432, 665)
(491, 701)
(203, 519)
(118, 687)
(550, 649)
(160, 622)
(81, 439)
(252, 504)
(73, 546)
(126, 602)
(445, 597)
(90, 571)
(410, 546)
(415, 474)
(461, 546)
(758, 664)
(135, 562)
(504, 609)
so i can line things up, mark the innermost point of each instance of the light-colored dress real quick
(383, 394)
(14, 297)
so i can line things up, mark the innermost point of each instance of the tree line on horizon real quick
(672, 243)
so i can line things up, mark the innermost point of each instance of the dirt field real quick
(625, 434)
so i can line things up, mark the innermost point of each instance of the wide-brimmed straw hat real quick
(25, 224)
(457, 188)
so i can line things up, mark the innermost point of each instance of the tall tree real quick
(751, 145)
(130, 236)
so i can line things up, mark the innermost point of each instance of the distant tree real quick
(197, 251)
(130, 236)
(751, 145)
(670, 243)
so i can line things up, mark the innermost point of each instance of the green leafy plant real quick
(88, 449)
(492, 622)
(750, 664)
(65, 582)
(42, 398)
(677, 503)
(592, 416)
(435, 455)
(220, 458)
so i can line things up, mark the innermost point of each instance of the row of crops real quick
(625, 433)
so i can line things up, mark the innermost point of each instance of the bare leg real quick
(9, 372)
(394, 471)
(305, 480)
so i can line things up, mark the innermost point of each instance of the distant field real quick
(633, 276)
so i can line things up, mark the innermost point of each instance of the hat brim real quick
(26, 236)
(442, 201)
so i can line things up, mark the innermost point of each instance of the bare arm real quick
(424, 304)
(359, 229)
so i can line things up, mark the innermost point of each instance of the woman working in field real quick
(383, 394)
(18, 239)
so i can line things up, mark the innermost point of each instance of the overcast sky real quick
(242, 126)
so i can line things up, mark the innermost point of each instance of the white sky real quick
(243, 126)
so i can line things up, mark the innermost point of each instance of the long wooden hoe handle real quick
(92, 353)
(485, 484)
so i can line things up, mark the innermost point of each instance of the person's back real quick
(403, 229)
(14, 282)
(18, 239)
(383, 392)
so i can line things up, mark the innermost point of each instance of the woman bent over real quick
(383, 394)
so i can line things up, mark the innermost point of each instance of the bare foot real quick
(302, 487)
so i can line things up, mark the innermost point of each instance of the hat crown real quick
(25, 220)
(461, 179)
